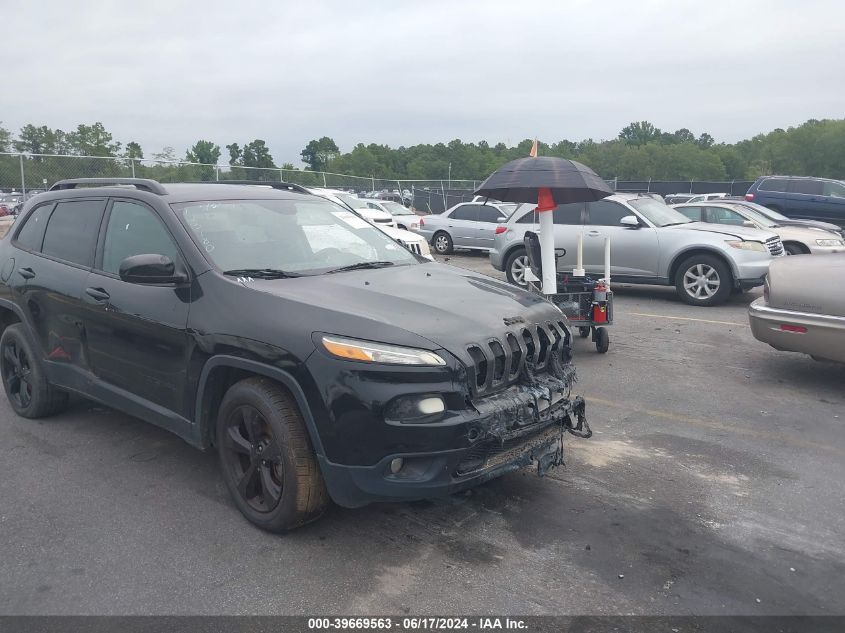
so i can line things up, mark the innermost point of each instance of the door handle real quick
(97, 293)
(26, 273)
(593, 233)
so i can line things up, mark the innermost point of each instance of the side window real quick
(134, 229)
(773, 184)
(529, 218)
(693, 213)
(466, 212)
(835, 189)
(808, 187)
(486, 213)
(72, 229)
(721, 215)
(568, 213)
(605, 213)
(31, 233)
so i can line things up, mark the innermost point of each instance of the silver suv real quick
(651, 243)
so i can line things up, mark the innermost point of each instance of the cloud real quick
(170, 73)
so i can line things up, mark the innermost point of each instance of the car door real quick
(634, 252)
(56, 250)
(461, 223)
(805, 199)
(488, 222)
(136, 334)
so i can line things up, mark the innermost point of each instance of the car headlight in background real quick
(829, 242)
(353, 349)
(746, 245)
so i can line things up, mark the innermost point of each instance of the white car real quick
(413, 242)
(403, 217)
(704, 197)
(797, 240)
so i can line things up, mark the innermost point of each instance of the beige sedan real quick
(803, 307)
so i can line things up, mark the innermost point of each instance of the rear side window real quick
(604, 213)
(488, 214)
(563, 214)
(71, 232)
(835, 189)
(773, 184)
(32, 233)
(133, 229)
(808, 187)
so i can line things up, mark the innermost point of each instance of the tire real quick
(442, 243)
(583, 332)
(701, 271)
(266, 457)
(602, 340)
(792, 248)
(515, 266)
(24, 378)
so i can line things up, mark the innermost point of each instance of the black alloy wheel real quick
(254, 458)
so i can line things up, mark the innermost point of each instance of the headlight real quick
(829, 242)
(352, 349)
(748, 246)
(424, 249)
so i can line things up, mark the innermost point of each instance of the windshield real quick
(760, 209)
(294, 236)
(658, 213)
(755, 215)
(396, 209)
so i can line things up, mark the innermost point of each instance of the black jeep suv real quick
(319, 357)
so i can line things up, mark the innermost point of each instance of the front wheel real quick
(266, 457)
(602, 340)
(583, 332)
(442, 243)
(703, 280)
(793, 249)
(515, 267)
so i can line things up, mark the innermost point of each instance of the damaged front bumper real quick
(506, 431)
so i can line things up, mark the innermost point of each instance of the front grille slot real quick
(491, 453)
(496, 362)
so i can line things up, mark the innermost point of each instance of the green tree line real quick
(641, 151)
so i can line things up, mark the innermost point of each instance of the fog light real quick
(396, 464)
(430, 406)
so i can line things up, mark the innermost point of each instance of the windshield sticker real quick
(351, 219)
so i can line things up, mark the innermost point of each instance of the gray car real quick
(468, 225)
(651, 243)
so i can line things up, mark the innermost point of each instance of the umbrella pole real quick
(547, 252)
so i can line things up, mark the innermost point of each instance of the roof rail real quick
(144, 184)
(286, 186)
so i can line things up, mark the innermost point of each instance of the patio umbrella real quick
(548, 181)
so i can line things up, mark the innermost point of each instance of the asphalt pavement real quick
(712, 485)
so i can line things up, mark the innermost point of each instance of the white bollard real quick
(579, 264)
(607, 261)
(547, 252)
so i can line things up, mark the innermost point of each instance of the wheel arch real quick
(221, 372)
(801, 246)
(699, 250)
(9, 314)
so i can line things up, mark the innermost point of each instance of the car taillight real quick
(501, 229)
(422, 223)
(749, 197)
(800, 329)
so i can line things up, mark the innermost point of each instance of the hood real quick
(808, 283)
(813, 224)
(806, 234)
(736, 232)
(376, 215)
(400, 234)
(448, 307)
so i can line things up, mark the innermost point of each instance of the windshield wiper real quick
(678, 223)
(262, 273)
(360, 266)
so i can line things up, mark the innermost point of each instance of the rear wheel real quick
(515, 267)
(24, 379)
(703, 280)
(266, 457)
(583, 332)
(442, 243)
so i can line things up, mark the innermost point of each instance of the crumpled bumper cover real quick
(515, 428)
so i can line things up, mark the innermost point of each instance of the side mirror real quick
(501, 220)
(150, 269)
(749, 224)
(630, 221)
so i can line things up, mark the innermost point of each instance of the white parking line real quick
(677, 318)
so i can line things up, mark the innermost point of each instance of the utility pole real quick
(450, 175)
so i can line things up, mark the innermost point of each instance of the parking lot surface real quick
(712, 485)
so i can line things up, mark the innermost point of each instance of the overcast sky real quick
(401, 73)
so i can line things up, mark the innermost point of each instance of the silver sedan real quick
(468, 225)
